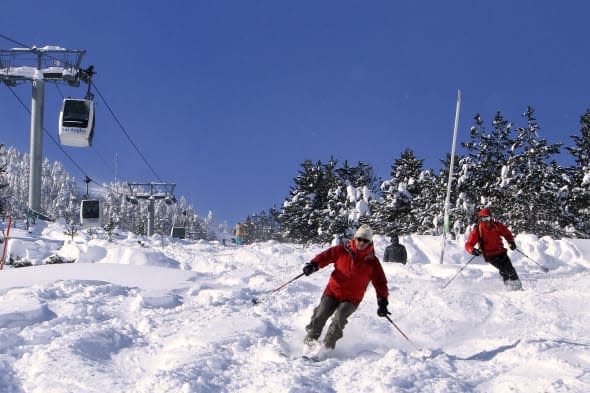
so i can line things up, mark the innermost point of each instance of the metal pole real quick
(401, 332)
(535, 262)
(456, 274)
(150, 229)
(448, 198)
(256, 300)
(36, 146)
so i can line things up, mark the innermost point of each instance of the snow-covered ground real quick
(140, 315)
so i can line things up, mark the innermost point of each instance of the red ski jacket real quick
(488, 237)
(353, 270)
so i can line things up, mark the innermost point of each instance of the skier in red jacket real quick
(487, 233)
(355, 265)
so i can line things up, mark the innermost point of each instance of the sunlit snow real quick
(160, 315)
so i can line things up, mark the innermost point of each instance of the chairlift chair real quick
(76, 122)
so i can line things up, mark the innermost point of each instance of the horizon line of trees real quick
(512, 170)
(60, 198)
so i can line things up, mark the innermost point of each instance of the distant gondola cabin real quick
(178, 232)
(76, 122)
(90, 212)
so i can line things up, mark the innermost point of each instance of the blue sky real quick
(227, 98)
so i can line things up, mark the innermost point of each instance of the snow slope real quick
(143, 315)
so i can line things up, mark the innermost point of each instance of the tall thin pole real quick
(449, 183)
(150, 220)
(36, 145)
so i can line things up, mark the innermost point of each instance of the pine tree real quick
(533, 203)
(329, 214)
(299, 215)
(461, 208)
(359, 189)
(578, 204)
(393, 212)
(327, 201)
(484, 173)
(427, 204)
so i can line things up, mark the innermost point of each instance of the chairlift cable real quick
(49, 134)
(107, 106)
(99, 155)
(14, 41)
(62, 149)
(126, 134)
(109, 109)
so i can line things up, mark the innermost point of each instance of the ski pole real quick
(456, 274)
(402, 333)
(535, 262)
(256, 300)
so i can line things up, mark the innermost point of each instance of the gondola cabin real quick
(76, 122)
(178, 232)
(90, 213)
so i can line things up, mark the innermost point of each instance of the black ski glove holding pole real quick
(310, 268)
(382, 310)
(476, 252)
(512, 245)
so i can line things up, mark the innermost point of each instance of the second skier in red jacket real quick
(488, 234)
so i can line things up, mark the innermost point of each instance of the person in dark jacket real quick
(488, 234)
(395, 252)
(355, 265)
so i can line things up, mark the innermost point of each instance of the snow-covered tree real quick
(300, 210)
(357, 187)
(578, 203)
(327, 201)
(484, 173)
(533, 202)
(427, 205)
(393, 211)
(461, 206)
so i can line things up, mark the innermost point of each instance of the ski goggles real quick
(485, 218)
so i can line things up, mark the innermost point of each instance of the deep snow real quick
(145, 315)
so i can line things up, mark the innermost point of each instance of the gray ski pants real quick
(328, 306)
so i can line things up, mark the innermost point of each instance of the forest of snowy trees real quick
(512, 170)
(60, 197)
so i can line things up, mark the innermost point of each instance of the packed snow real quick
(140, 314)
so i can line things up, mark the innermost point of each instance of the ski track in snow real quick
(202, 334)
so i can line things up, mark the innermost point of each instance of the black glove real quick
(476, 252)
(310, 267)
(382, 310)
(512, 245)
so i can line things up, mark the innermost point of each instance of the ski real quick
(307, 358)
(313, 359)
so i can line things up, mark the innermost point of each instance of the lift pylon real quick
(39, 65)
